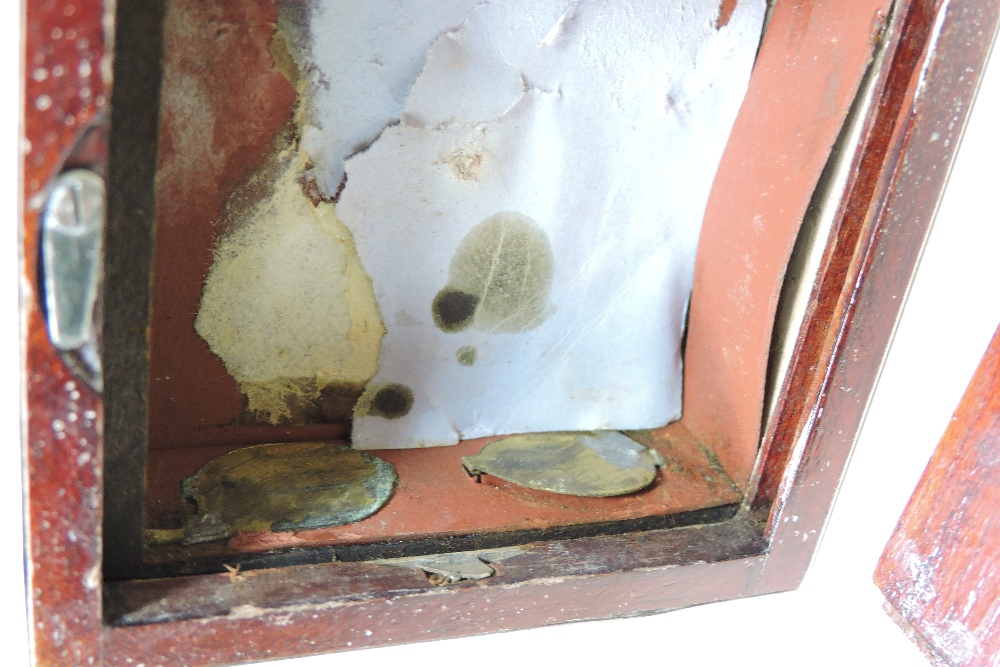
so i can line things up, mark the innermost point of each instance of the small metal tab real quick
(72, 228)
(451, 568)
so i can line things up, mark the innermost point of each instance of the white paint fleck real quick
(43, 102)
(971, 601)
(92, 579)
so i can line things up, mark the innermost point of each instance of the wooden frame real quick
(923, 86)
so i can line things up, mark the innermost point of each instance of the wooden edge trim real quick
(64, 92)
(337, 606)
(804, 479)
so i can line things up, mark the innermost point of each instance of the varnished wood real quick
(939, 571)
(926, 137)
(61, 433)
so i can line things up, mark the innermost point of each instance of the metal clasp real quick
(72, 230)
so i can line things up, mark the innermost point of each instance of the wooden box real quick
(851, 121)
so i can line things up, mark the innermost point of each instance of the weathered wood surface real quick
(939, 571)
(63, 93)
(436, 503)
(716, 574)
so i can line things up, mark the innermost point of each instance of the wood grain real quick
(939, 571)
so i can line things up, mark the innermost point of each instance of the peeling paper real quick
(530, 222)
(362, 61)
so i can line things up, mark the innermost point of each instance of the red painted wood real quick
(222, 108)
(63, 91)
(805, 78)
(939, 571)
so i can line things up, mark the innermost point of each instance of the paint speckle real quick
(43, 102)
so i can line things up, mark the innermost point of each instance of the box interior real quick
(197, 413)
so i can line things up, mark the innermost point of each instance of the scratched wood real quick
(281, 612)
(938, 571)
(63, 94)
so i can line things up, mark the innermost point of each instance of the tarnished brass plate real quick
(603, 463)
(289, 486)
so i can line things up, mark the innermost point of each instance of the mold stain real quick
(454, 309)
(288, 307)
(286, 487)
(389, 401)
(466, 355)
(499, 279)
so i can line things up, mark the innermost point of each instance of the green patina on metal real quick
(288, 487)
(603, 463)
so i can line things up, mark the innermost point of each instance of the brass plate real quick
(287, 487)
(603, 463)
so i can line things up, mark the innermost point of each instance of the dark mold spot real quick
(391, 402)
(454, 309)
(466, 355)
